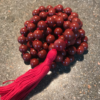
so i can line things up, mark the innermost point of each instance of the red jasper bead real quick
(24, 31)
(85, 45)
(71, 42)
(74, 26)
(50, 21)
(48, 7)
(45, 46)
(21, 39)
(59, 8)
(55, 17)
(74, 14)
(66, 24)
(33, 52)
(64, 16)
(42, 54)
(30, 36)
(43, 15)
(29, 44)
(76, 20)
(35, 12)
(59, 44)
(82, 33)
(51, 46)
(51, 12)
(72, 50)
(37, 44)
(35, 19)
(42, 8)
(26, 57)
(48, 31)
(63, 53)
(84, 39)
(53, 65)
(34, 62)
(66, 62)
(72, 58)
(42, 25)
(59, 21)
(26, 23)
(80, 50)
(68, 10)
(59, 58)
(61, 37)
(38, 34)
(50, 38)
(77, 34)
(58, 31)
(78, 41)
(68, 34)
(59, 13)
(23, 48)
(31, 27)
(70, 18)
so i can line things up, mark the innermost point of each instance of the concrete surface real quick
(79, 81)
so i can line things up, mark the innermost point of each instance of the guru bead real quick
(42, 8)
(59, 44)
(23, 48)
(50, 38)
(37, 44)
(85, 45)
(33, 52)
(21, 39)
(72, 50)
(50, 21)
(80, 50)
(82, 33)
(74, 26)
(24, 31)
(66, 24)
(43, 15)
(31, 27)
(48, 7)
(68, 34)
(59, 8)
(58, 31)
(26, 57)
(45, 46)
(42, 54)
(66, 62)
(42, 25)
(34, 62)
(38, 34)
(35, 19)
(30, 36)
(51, 12)
(59, 21)
(68, 10)
(35, 12)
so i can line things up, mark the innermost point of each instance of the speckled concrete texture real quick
(80, 80)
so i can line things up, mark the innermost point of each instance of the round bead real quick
(51, 12)
(23, 48)
(50, 21)
(68, 34)
(59, 21)
(71, 42)
(70, 18)
(84, 39)
(72, 58)
(21, 39)
(26, 39)
(42, 25)
(66, 62)
(80, 50)
(35, 12)
(51, 46)
(81, 24)
(30, 36)
(59, 8)
(31, 27)
(26, 57)
(58, 31)
(38, 34)
(43, 15)
(33, 52)
(76, 20)
(85, 45)
(74, 14)
(59, 44)
(77, 34)
(82, 33)
(68, 10)
(53, 65)
(29, 44)
(66, 24)
(72, 50)
(64, 16)
(34, 62)
(55, 17)
(78, 41)
(59, 58)
(42, 8)
(37, 44)
(42, 54)
(26, 23)
(74, 26)
(24, 31)
(35, 19)
(61, 37)
(50, 38)
(45, 46)
(59, 13)
(63, 53)
(48, 7)
(48, 31)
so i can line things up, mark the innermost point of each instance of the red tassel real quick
(22, 86)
